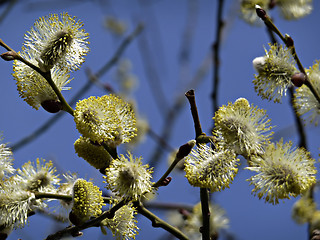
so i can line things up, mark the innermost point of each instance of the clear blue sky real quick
(250, 218)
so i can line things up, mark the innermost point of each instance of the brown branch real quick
(74, 230)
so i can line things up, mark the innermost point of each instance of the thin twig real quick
(194, 111)
(49, 123)
(216, 56)
(46, 75)
(298, 120)
(204, 195)
(157, 222)
(288, 41)
(73, 230)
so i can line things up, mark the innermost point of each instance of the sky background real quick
(164, 28)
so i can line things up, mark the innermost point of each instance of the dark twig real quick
(49, 123)
(204, 195)
(298, 120)
(288, 41)
(157, 222)
(216, 56)
(74, 230)
(194, 111)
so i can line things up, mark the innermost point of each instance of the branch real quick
(157, 222)
(46, 75)
(204, 195)
(298, 120)
(74, 230)
(288, 41)
(184, 150)
(194, 111)
(216, 56)
(92, 77)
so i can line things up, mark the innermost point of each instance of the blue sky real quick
(164, 21)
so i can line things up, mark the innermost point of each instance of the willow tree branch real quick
(298, 120)
(74, 230)
(194, 111)
(216, 55)
(288, 41)
(85, 88)
(157, 222)
(204, 195)
(46, 75)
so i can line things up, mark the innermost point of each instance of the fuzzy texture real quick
(303, 210)
(6, 159)
(282, 171)
(248, 10)
(243, 128)
(211, 169)
(15, 204)
(295, 9)
(87, 200)
(304, 101)
(106, 119)
(94, 154)
(40, 176)
(128, 178)
(123, 224)
(32, 87)
(58, 40)
(274, 73)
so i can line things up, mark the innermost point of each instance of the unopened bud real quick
(298, 79)
(289, 41)
(166, 181)
(9, 56)
(52, 106)
(261, 13)
(185, 149)
(259, 63)
(74, 219)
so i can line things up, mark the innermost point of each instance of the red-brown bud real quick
(52, 106)
(289, 41)
(298, 79)
(9, 56)
(166, 181)
(185, 149)
(261, 13)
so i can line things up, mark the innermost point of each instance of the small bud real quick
(289, 41)
(76, 234)
(166, 181)
(261, 13)
(185, 149)
(298, 79)
(74, 219)
(52, 106)
(9, 56)
(258, 63)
